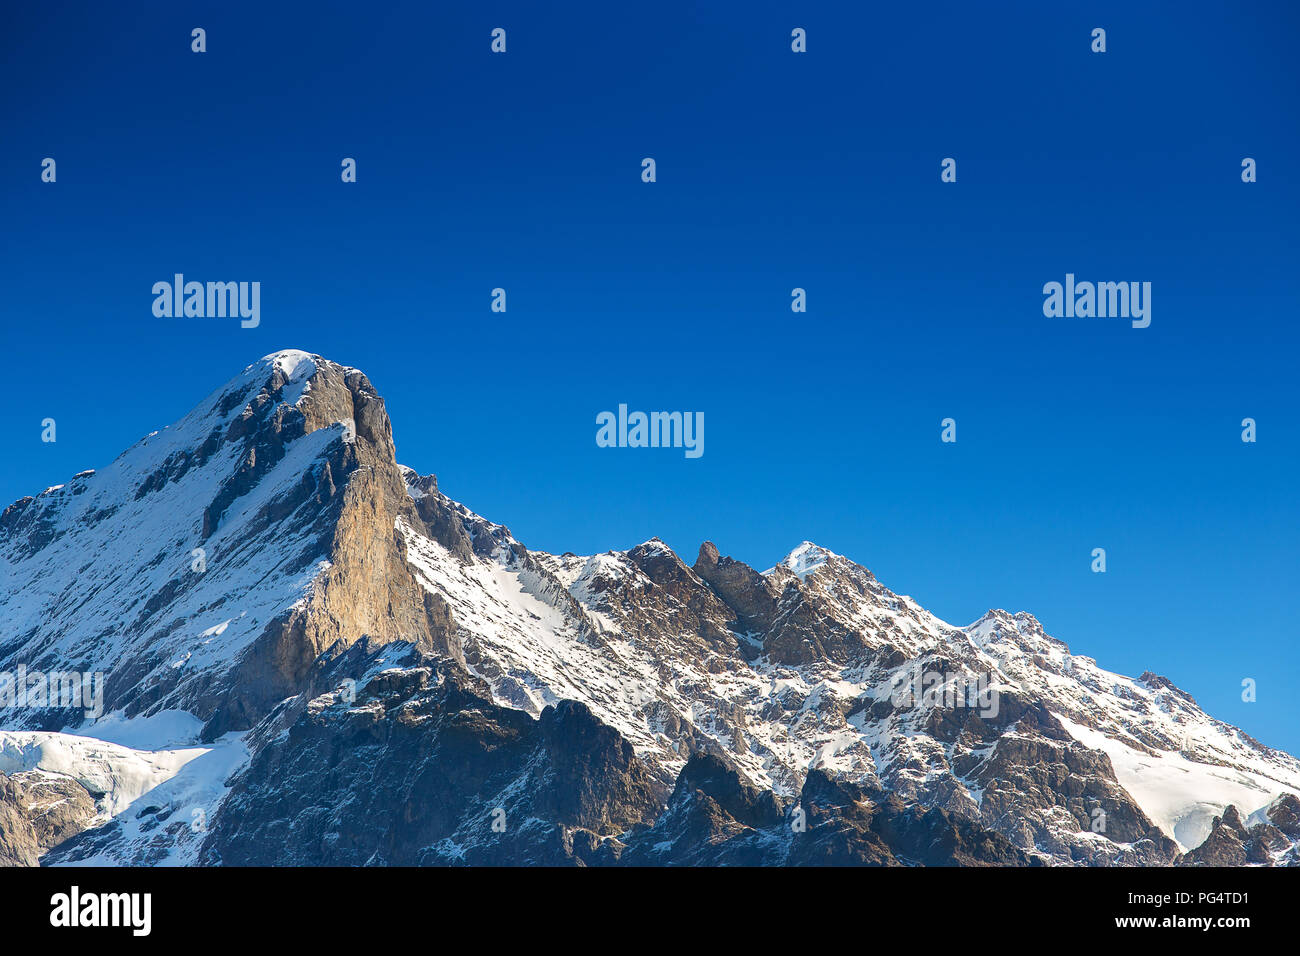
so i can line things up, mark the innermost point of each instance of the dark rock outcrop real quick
(423, 769)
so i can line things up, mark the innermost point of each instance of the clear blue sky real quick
(775, 170)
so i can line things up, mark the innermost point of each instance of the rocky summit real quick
(310, 655)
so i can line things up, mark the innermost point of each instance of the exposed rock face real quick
(619, 708)
(1232, 843)
(753, 597)
(423, 769)
(1284, 813)
(680, 593)
(847, 826)
(367, 589)
(713, 818)
(1036, 780)
(39, 811)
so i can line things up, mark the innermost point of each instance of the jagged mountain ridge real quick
(781, 683)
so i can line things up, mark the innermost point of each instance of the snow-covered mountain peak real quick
(806, 558)
(294, 363)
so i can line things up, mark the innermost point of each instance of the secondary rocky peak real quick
(1020, 629)
(1158, 683)
(659, 562)
(752, 596)
(696, 608)
(707, 557)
